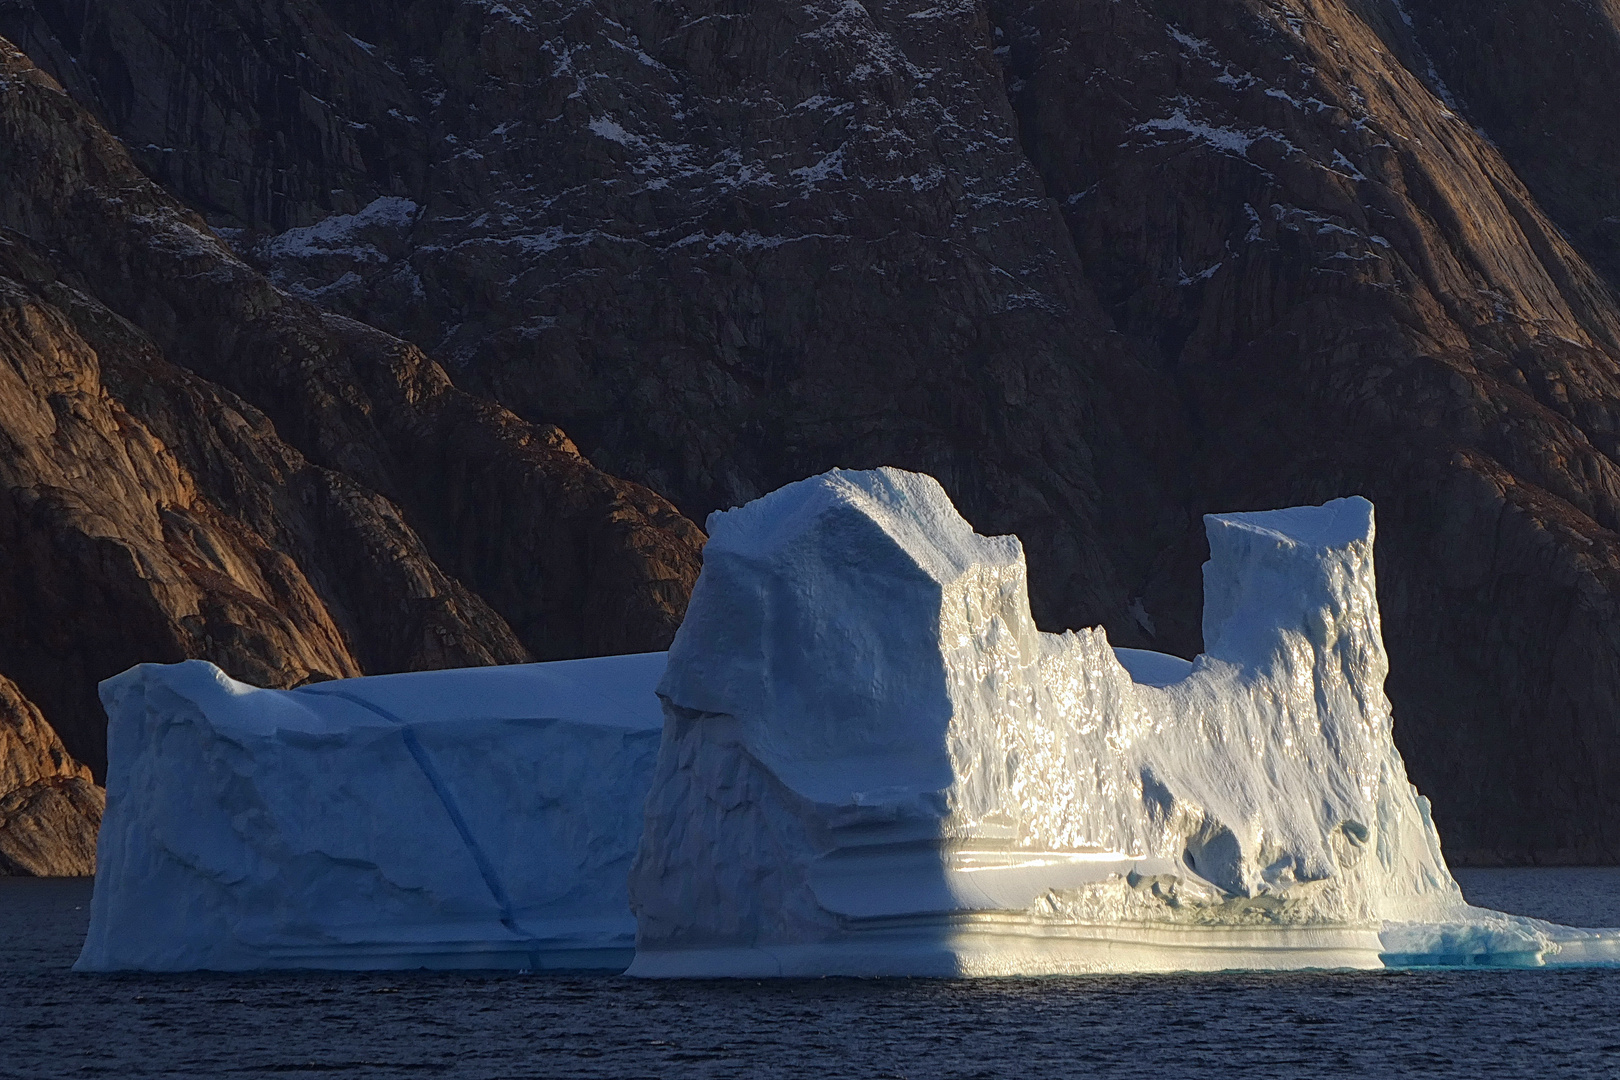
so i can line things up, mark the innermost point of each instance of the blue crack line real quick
(486, 869)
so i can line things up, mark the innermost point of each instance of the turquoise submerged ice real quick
(478, 818)
(873, 763)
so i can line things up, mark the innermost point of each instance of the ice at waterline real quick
(479, 818)
(871, 763)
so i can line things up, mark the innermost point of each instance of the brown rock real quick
(1100, 265)
(148, 515)
(718, 271)
(152, 514)
(1353, 292)
(50, 809)
(1538, 77)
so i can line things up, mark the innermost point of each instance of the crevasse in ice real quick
(478, 818)
(874, 763)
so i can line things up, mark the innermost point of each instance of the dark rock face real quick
(719, 271)
(250, 108)
(1550, 107)
(1353, 292)
(50, 809)
(359, 515)
(151, 515)
(1101, 266)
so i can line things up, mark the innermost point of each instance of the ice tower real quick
(874, 763)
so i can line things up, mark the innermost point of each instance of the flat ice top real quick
(606, 691)
(1334, 524)
(910, 510)
(612, 691)
(481, 817)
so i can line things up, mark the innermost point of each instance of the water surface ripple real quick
(1563, 1023)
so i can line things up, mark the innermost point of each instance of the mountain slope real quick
(717, 270)
(1102, 266)
(196, 465)
(1353, 292)
(1549, 107)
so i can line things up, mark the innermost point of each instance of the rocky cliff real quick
(50, 808)
(1101, 266)
(197, 465)
(1537, 77)
(1353, 291)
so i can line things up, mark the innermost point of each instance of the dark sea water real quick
(1552, 1023)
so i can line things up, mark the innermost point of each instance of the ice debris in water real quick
(479, 818)
(874, 763)
(871, 762)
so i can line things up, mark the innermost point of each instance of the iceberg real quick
(874, 763)
(482, 818)
(859, 757)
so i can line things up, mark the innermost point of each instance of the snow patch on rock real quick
(342, 234)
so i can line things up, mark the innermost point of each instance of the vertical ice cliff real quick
(477, 818)
(874, 763)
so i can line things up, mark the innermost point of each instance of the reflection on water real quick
(1386, 1024)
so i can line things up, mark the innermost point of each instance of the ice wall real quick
(874, 763)
(478, 818)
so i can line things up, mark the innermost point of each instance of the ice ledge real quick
(1010, 945)
(988, 945)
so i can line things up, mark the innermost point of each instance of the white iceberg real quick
(480, 818)
(868, 761)
(874, 764)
